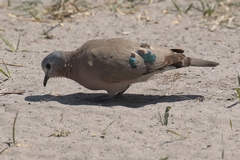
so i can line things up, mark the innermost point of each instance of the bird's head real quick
(53, 65)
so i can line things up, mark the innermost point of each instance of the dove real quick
(114, 64)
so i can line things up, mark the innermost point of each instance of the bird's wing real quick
(116, 60)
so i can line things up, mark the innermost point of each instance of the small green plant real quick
(9, 44)
(31, 8)
(205, 8)
(180, 9)
(8, 75)
(4, 73)
(115, 6)
(104, 132)
(164, 122)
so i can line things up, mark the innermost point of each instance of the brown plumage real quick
(114, 64)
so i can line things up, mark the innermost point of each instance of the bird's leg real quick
(119, 94)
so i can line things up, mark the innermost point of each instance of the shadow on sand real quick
(127, 100)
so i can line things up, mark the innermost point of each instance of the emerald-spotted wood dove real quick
(114, 64)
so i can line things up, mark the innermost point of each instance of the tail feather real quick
(203, 63)
(186, 61)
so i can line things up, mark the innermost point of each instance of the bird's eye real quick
(48, 66)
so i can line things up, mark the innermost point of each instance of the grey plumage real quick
(114, 64)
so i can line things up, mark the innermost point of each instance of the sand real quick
(203, 100)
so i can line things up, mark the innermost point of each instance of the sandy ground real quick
(199, 97)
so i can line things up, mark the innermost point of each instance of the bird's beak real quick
(45, 79)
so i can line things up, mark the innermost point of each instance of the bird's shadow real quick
(127, 100)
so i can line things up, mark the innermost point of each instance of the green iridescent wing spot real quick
(149, 57)
(132, 62)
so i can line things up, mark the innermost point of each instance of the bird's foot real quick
(119, 94)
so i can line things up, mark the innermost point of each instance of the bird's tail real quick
(187, 61)
(202, 63)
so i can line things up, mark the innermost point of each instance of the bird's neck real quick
(68, 65)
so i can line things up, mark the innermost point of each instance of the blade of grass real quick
(210, 9)
(238, 89)
(238, 92)
(9, 75)
(230, 123)
(13, 131)
(115, 6)
(222, 146)
(4, 73)
(31, 8)
(239, 80)
(202, 4)
(18, 42)
(104, 131)
(189, 7)
(171, 131)
(61, 117)
(34, 15)
(7, 43)
(9, 3)
(176, 6)
(11, 64)
(46, 33)
(165, 158)
(160, 119)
